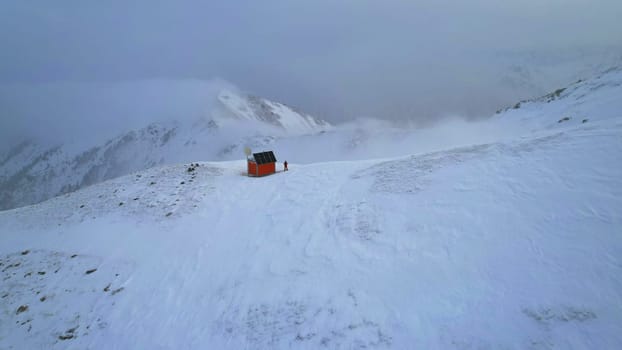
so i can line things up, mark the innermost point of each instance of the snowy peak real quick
(253, 108)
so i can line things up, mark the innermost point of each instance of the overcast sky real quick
(338, 59)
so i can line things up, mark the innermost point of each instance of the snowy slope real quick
(513, 243)
(597, 97)
(525, 73)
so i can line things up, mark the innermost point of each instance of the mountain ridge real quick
(30, 173)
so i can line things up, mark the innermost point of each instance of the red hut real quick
(261, 164)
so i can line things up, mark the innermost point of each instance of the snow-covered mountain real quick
(252, 108)
(31, 172)
(510, 242)
(578, 100)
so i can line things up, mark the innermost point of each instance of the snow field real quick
(511, 245)
(508, 243)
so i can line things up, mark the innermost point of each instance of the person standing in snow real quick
(285, 166)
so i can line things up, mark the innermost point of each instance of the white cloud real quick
(393, 59)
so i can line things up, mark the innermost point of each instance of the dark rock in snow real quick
(22, 308)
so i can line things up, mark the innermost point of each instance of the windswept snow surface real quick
(512, 244)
